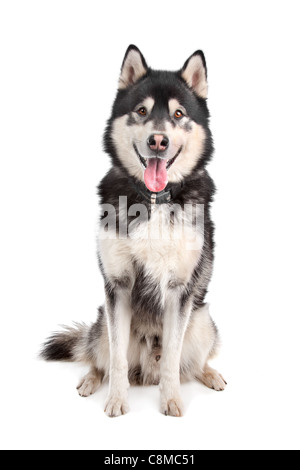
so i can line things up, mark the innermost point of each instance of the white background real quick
(60, 62)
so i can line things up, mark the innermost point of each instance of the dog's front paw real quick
(171, 406)
(116, 406)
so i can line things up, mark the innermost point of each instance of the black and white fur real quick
(155, 327)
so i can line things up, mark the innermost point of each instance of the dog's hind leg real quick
(211, 378)
(90, 383)
(201, 343)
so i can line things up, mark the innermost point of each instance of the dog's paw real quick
(212, 379)
(116, 406)
(171, 407)
(89, 384)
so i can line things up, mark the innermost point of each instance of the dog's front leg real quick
(176, 318)
(119, 314)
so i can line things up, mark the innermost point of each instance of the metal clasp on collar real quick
(153, 198)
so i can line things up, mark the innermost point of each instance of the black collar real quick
(163, 197)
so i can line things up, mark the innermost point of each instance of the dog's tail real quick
(68, 345)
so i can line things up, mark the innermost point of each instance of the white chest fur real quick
(167, 251)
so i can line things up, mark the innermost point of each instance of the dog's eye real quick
(178, 114)
(142, 111)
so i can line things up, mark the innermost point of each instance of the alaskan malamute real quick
(155, 242)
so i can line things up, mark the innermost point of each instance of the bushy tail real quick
(67, 345)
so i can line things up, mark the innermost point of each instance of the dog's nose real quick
(158, 142)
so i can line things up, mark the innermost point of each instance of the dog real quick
(155, 256)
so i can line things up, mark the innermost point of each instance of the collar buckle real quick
(163, 197)
(153, 198)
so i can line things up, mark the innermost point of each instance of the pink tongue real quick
(156, 175)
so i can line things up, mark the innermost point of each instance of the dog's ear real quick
(194, 72)
(133, 68)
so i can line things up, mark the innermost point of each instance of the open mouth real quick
(144, 163)
(156, 170)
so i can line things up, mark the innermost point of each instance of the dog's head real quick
(159, 130)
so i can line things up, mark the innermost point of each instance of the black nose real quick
(158, 142)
